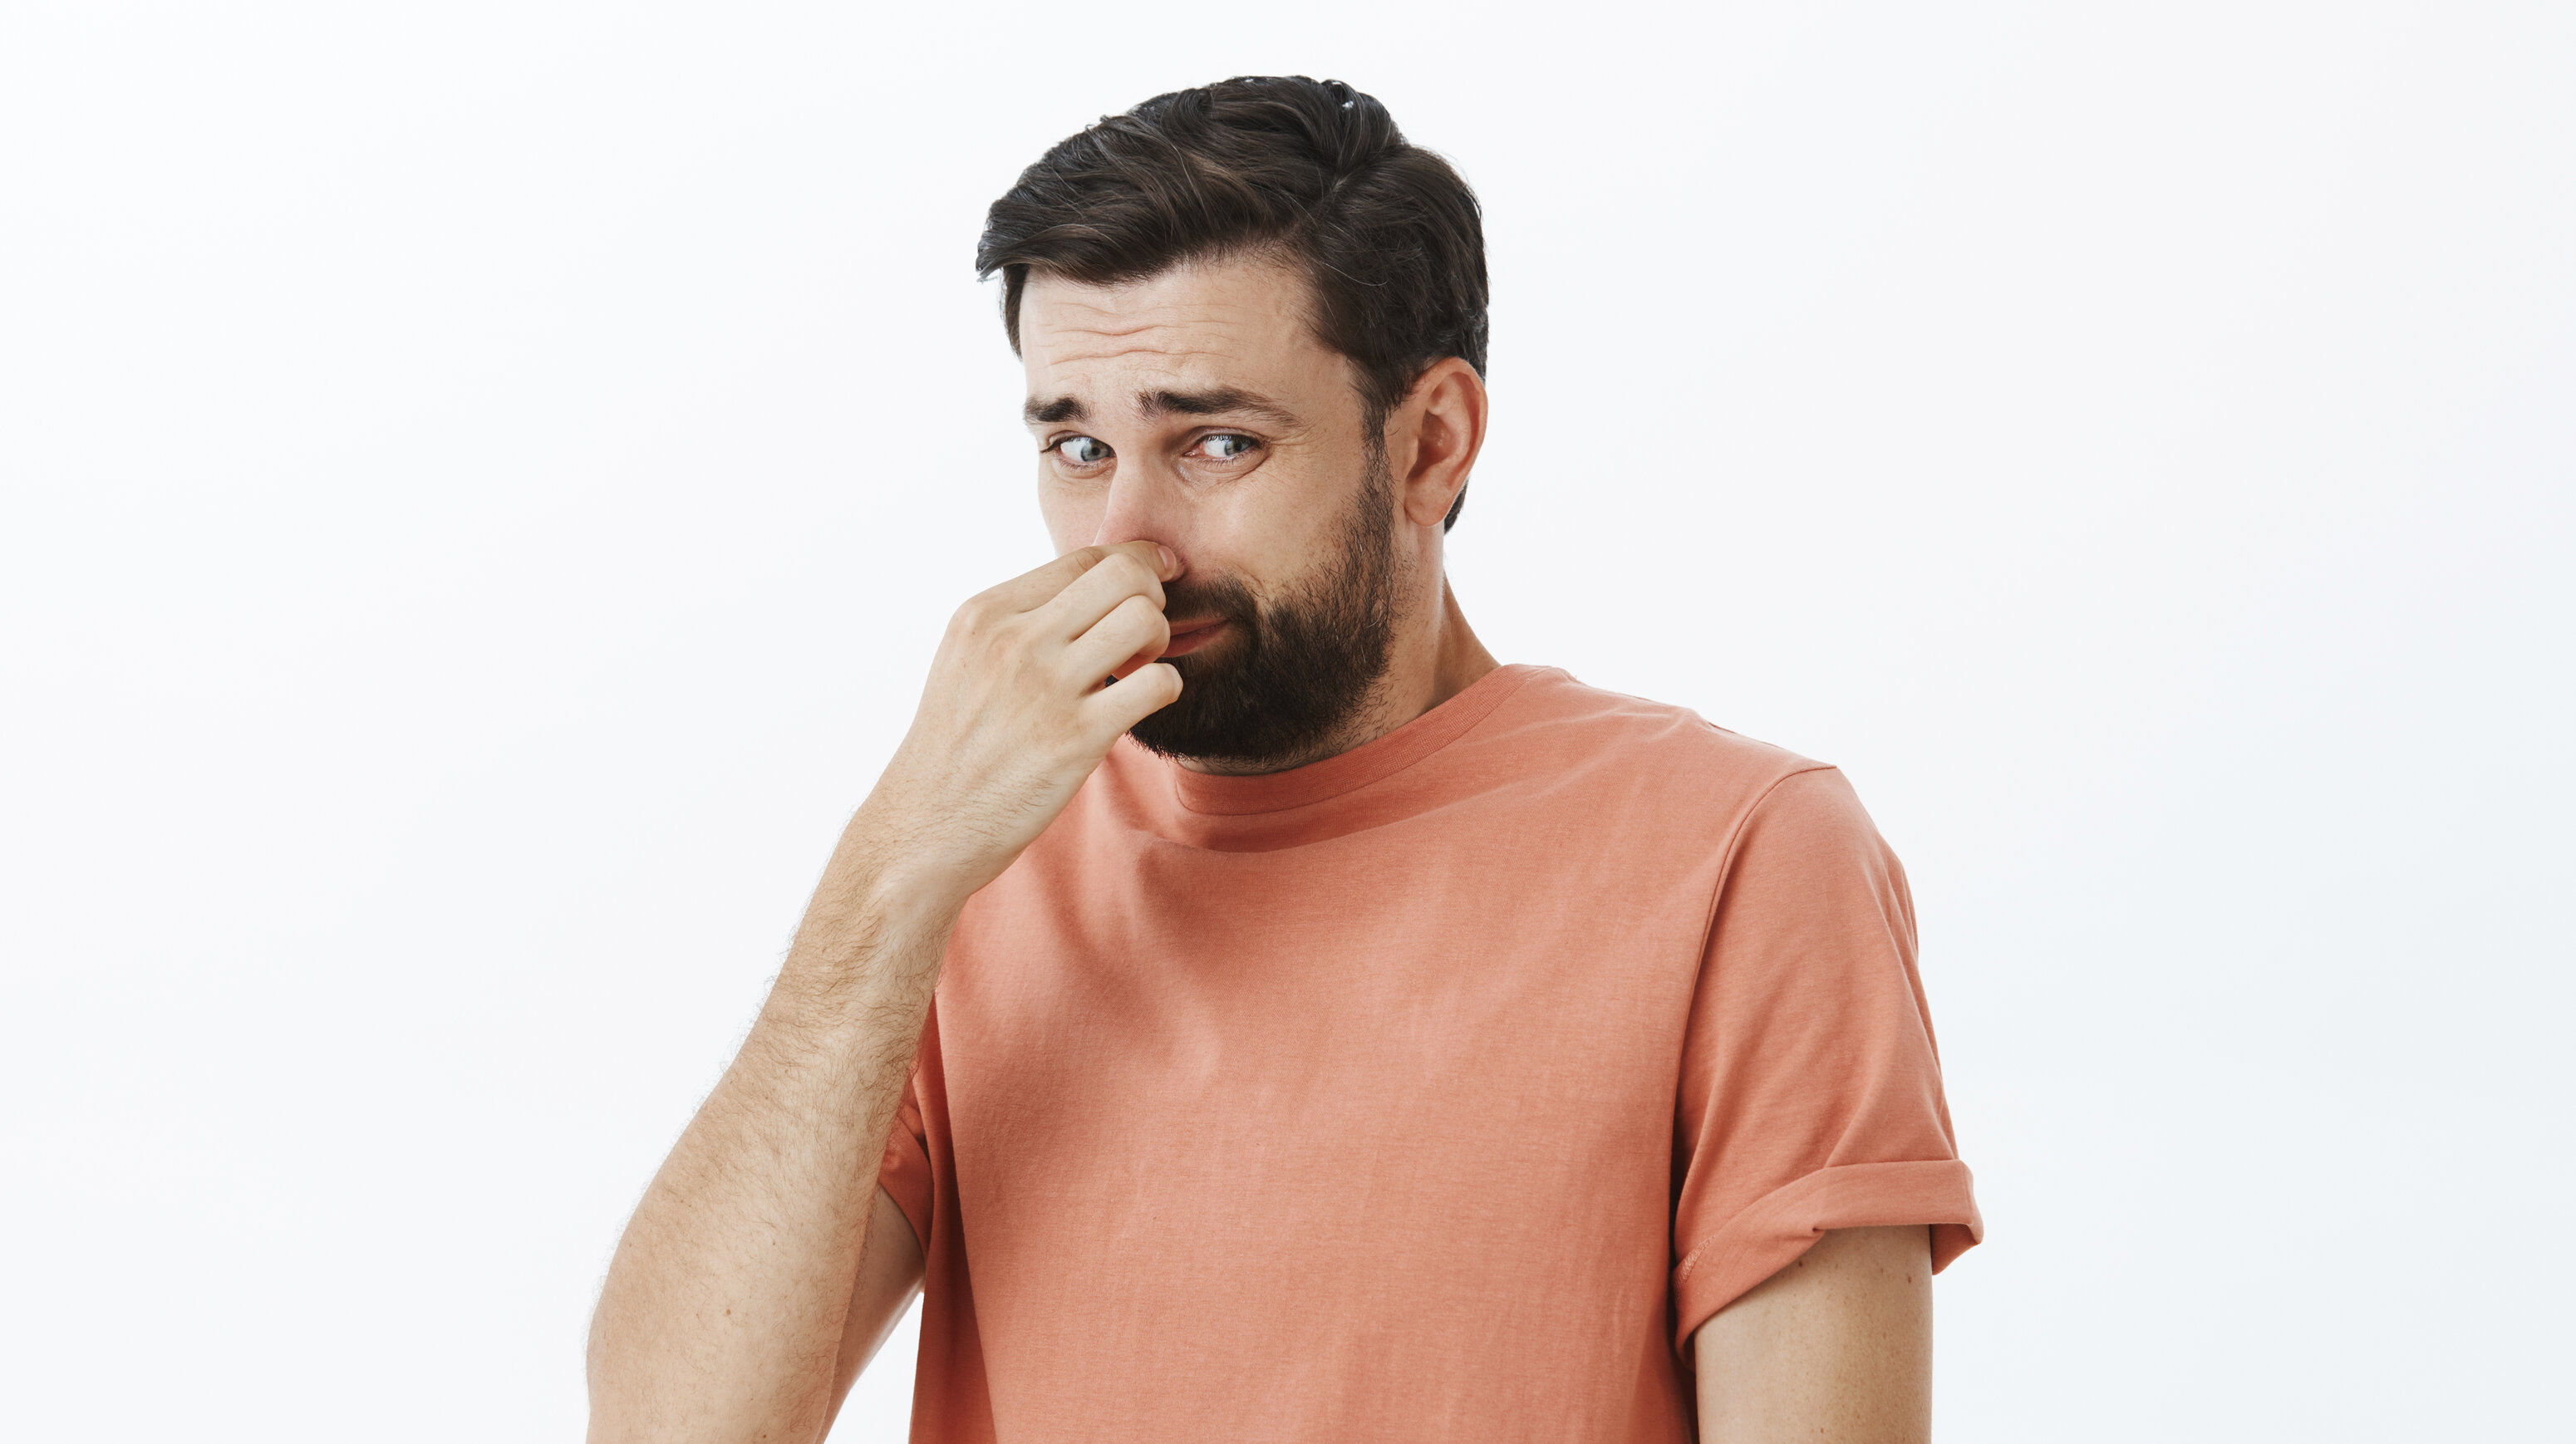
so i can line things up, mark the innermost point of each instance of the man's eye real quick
(1226, 446)
(1082, 451)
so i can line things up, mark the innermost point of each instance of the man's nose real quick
(1143, 506)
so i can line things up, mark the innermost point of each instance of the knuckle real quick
(1133, 622)
(982, 617)
(983, 637)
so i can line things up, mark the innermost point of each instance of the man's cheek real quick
(1070, 522)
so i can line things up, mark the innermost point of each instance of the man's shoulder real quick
(1572, 733)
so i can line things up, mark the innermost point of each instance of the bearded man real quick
(1246, 1009)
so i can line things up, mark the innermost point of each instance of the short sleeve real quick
(904, 1170)
(1811, 1088)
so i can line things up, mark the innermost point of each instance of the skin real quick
(1189, 420)
(1834, 1349)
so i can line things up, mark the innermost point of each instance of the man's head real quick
(1253, 320)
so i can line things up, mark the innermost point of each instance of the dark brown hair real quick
(1388, 236)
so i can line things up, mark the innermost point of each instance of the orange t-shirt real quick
(1438, 1090)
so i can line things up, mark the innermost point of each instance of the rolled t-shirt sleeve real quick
(1811, 1088)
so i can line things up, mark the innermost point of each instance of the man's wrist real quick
(873, 921)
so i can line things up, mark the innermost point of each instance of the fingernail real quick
(1171, 561)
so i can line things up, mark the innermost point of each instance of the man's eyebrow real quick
(1218, 401)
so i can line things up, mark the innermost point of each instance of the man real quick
(1248, 1010)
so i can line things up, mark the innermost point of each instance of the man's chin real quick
(1211, 721)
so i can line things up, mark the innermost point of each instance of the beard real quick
(1295, 670)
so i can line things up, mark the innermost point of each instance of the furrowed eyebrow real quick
(1222, 401)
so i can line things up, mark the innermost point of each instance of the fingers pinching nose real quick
(1168, 560)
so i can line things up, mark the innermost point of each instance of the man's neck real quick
(1427, 666)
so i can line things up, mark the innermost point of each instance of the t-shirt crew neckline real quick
(1233, 796)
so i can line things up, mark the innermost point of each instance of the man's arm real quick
(1834, 1349)
(889, 1275)
(726, 1306)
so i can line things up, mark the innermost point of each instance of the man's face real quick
(1196, 408)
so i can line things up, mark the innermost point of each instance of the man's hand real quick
(734, 1291)
(1015, 715)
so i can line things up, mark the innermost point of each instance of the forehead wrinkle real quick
(1174, 354)
(1227, 324)
(1149, 311)
(1186, 334)
(1068, 328)
(1094, 352)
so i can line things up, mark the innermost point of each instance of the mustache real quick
(1214, 598)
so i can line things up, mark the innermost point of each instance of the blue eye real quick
(1226, 446)
(1082, 450)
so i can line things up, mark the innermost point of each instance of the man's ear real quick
(1436, 433)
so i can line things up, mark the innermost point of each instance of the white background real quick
(483, 481)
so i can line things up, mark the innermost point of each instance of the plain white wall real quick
(483, 481)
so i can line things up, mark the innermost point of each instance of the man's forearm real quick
(724, 1306)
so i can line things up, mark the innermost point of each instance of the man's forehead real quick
(1190, 322)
